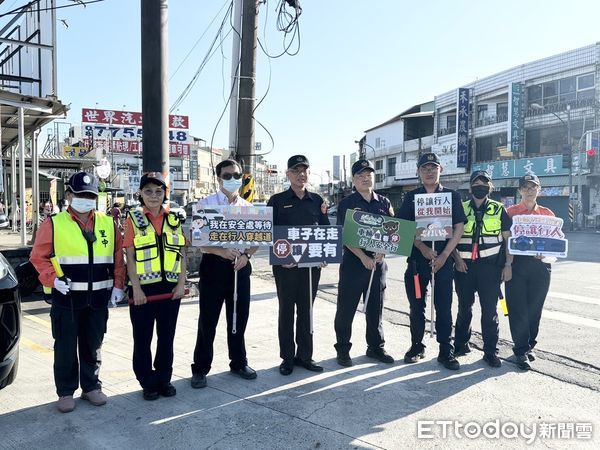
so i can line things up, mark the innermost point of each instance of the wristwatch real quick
(247, 255)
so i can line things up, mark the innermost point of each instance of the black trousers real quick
(77, 330)
(525, 296)
(293, 294)
(143, 317)
(354, 281)
(442, 302)
(216, 287)
(484, 278)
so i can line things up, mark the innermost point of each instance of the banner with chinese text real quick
(534, 234)
(516, 168)
(232, 226)
(377, 233)
(462, 127)
(127, 118)
(306, 245)
(433, 216)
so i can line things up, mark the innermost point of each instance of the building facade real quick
(540, 117)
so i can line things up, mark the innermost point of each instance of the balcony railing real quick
(445, 131)
(491, 119)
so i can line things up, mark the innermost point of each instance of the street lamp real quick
(364, 144)
(570, 150)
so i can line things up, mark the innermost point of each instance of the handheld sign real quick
(306, 245)
(378, 233)
(232, 226)
(433, 215)
(535, 234)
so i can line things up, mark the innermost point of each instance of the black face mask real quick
(480, 192)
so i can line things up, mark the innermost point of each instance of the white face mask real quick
(83, 205)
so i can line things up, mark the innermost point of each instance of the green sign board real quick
(377, 233)
(541, 166)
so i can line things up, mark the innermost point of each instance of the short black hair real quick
(226, 163)
(156, 183)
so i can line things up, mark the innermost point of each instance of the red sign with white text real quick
(127, 118)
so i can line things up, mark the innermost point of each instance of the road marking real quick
(38, 320)
(35, 346)
(571, 318)
(575, 298)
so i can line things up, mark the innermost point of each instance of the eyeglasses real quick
(153, 193)
(529, 188)
(228, 176)
(429, 168)
(364, 175)
(300, 171)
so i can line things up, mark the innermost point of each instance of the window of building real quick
(391, 169)
(451, 121)
(379, 164)
(379, 177)
(562, 91)
(482, 112)
(585, 81)
(377, 142)
(491, 148)
(502, 111)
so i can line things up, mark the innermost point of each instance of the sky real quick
(359, 63)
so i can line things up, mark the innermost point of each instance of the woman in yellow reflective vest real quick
(156, 264)
(480, 267)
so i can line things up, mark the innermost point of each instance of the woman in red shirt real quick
(527, 289)
(156, 281)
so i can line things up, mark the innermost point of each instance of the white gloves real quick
(116, 295)
(61, 286)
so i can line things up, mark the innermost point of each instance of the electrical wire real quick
(198, 40)
(27, 5)
(211, 51)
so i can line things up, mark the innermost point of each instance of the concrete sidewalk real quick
(369, 405)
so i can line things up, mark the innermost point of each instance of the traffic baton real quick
(157, 297)
(503, 303)
(416, 281)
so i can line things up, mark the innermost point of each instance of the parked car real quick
(10, 323)
(174, 207)
(332, 210)
(205, 215)
(4, 222)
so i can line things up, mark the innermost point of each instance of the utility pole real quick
(245, 152)
(235, 73)
(155, 110)
(570, 165)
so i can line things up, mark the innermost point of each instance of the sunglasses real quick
(228, 176)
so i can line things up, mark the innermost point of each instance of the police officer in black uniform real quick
(479, 263)
(296, 206)
(423, 260)
(355, 272)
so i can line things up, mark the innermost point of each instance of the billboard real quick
(127, 118)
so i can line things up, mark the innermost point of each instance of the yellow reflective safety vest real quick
(490, 236)
(87, 259)
(157, 257)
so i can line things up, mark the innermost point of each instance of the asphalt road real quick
(570, 323)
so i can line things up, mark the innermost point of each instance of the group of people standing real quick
(79, 256)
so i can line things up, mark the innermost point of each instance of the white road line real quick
(571, 318)
(574, 298)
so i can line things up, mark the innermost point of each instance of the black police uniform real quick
(354, 281)
(484, 276)
(292, 284)
(443, 277)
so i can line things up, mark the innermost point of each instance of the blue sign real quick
(516, 118)
(516, 168)
(462, 128)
